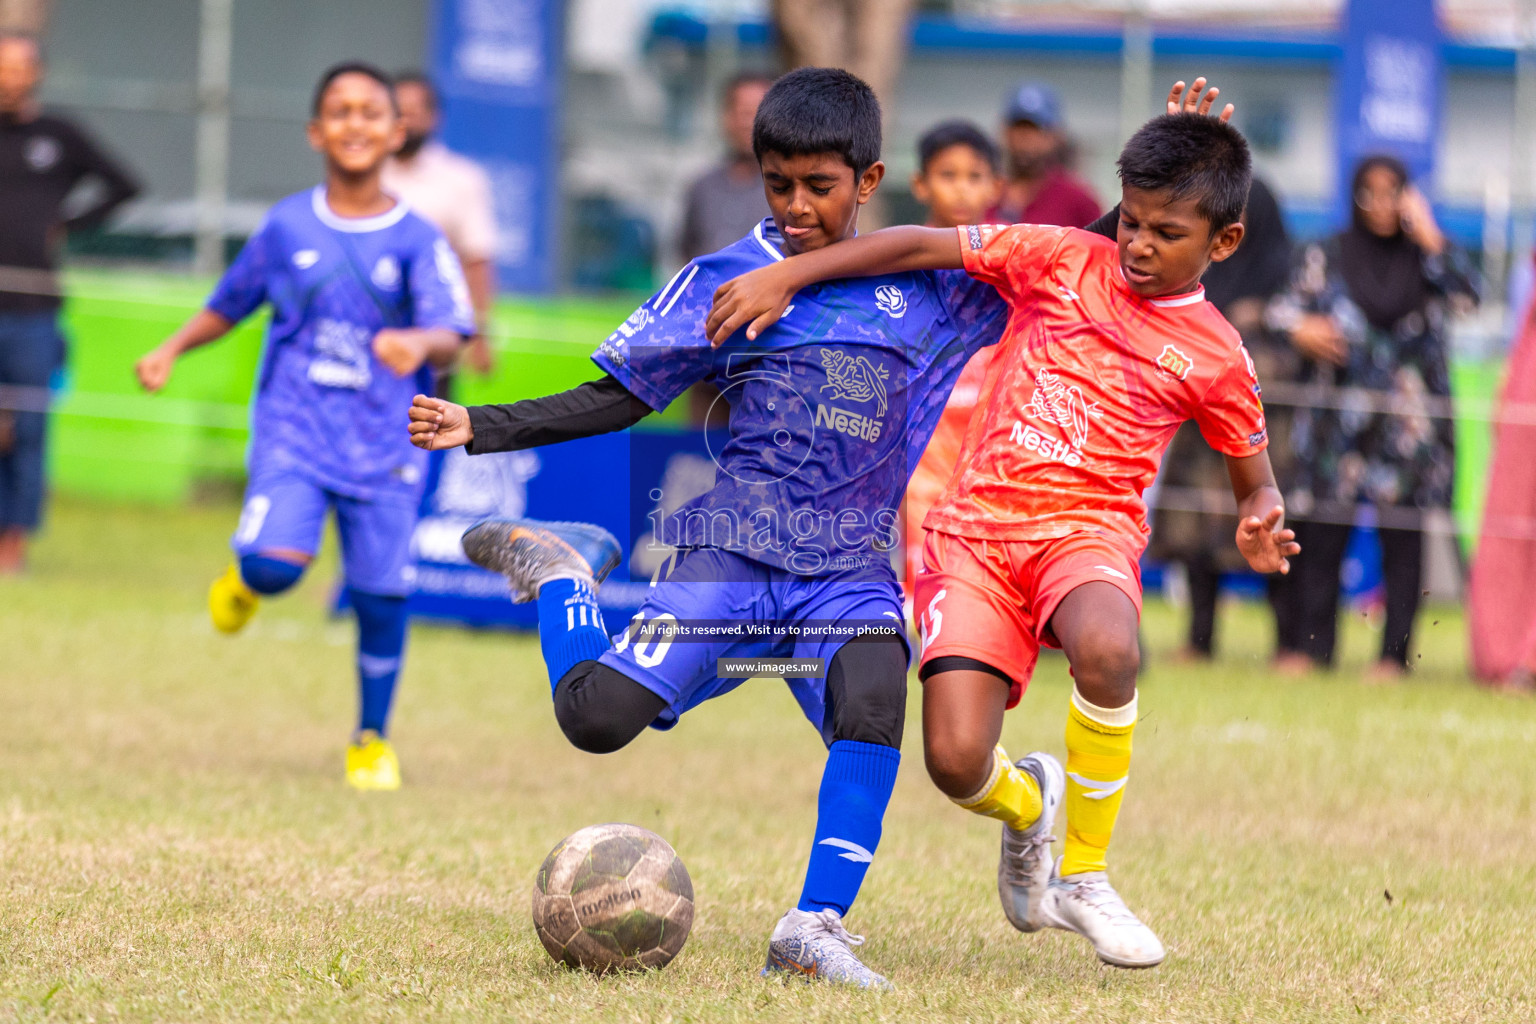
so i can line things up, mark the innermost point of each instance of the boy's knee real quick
(601, 710)
(958, 765)
(269, 575)
(1105, 668)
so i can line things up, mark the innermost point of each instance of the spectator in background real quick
(1039, 188)
(42, 159)
(454, 194)
(1193, 520)
(1368, 310)
(866, 37)
(727, 201)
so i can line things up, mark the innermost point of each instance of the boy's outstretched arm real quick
(596, 407)
(757, 299)
(154, 369)
(1261, 533)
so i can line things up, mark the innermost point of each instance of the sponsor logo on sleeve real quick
(1175, 362)
(1257, 438)
(974, 236)
(638, 321)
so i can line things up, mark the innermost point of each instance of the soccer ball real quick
(613, 898)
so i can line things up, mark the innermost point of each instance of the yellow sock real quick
(1098, 764)
(1008, 795)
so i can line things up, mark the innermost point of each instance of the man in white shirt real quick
(451, 191)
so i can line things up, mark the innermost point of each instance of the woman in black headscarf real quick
(1368, 311)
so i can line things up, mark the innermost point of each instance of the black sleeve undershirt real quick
(1107, 224)
(596, 407)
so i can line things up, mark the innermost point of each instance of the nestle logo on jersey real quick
(865, 428)
(1053, 450)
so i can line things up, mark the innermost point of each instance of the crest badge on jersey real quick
(386, 272)
(1175, 362)
(306, 258)
(890, 300)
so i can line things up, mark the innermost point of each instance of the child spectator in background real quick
(958, 180)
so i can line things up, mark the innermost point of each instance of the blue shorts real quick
(286, 511)
(734, 607)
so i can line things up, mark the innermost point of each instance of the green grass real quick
(176, 842)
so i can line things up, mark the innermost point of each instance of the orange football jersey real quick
(1086, 390)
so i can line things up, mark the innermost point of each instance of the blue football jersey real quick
(325, 406)
(829, 410)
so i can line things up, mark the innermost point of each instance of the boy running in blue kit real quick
(828, 413)
(367, 300)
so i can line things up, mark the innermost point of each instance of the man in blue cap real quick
(1040, 189)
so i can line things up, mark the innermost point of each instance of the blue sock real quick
(855, 788)
(570, 626)
(380, 648)
(269, 575)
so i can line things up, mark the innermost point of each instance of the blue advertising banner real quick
(1388, 88)
(617, 481)
(497, 65)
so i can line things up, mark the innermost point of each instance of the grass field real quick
(176, 842)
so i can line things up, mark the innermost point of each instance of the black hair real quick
(741, 78)
(957, 133)
(421, 81)
(819, 110)
(1191, 156)
(1391, 164)
(352, 67)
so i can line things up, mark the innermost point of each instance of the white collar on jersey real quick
(355, 225)
(768, 236)
(1172, 301)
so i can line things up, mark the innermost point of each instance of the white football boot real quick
(1024, 869)
(1088, 905)
(816, 947)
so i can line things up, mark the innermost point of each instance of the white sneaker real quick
(816, 946)
(1024, 869)
(1088, 904)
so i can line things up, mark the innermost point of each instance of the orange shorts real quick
(992, 600)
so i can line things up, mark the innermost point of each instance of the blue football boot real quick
(529, 552)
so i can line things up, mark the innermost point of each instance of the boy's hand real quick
(155, 368)
(757, 299)
(403, 351)
(438, 424)
(1267, 547)
(1195, 104)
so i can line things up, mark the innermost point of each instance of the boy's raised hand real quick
(1267, 547)
(1194, 103)
(438, 424)
(756, 299)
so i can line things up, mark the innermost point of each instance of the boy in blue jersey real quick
(367, 301)
(827, 416)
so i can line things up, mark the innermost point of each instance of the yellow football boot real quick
(371, 763)
(230, 602)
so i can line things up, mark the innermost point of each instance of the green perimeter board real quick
(112, 441)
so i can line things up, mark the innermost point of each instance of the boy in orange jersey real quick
(957, 180)
(1109, 348)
